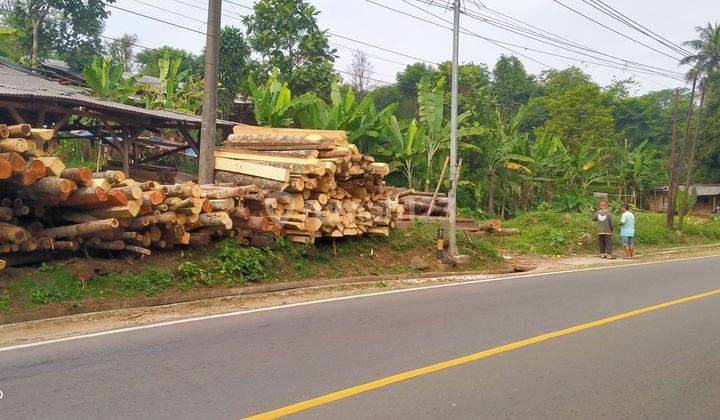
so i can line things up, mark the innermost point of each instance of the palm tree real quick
(705, 61)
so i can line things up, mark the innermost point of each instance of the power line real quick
(169, 11)
(554, 39)
(445, 27)
(617, 15)
(614, 30)
(466, 32)
(156, 19)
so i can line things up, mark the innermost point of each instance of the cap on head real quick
(603, 205)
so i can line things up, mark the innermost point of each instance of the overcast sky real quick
(360, 20)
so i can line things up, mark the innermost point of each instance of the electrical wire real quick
(617, 15)
(551, 39)
(157, 19)
(614, 30)
(466, 32)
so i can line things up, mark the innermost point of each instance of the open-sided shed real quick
(28, 97)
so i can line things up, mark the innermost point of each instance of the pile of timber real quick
(432, 208)
(422, 203)
(48, 210)
(312, 183)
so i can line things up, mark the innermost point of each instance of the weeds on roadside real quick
(5, 303)
(231, 265)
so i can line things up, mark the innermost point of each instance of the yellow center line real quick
(403, 376)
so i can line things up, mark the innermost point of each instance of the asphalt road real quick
(661, 364)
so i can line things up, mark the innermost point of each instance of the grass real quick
(553, 233)
(227, 264)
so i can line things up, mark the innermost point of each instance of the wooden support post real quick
(16, 115)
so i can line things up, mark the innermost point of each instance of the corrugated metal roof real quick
(19, 82)
(702, 189)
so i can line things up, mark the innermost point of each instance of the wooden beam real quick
(164, 154)
(253, 169)
(61, 122)
(259, 156)
(16, 115)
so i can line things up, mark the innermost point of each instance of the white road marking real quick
(336, 299)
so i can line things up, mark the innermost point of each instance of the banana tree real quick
(406, 142)
(432, 102)
(501, 159)
(274, 104)
(180, 91)
(105, 80)
(637, 168)
(361, 120)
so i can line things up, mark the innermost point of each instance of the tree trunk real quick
(491, 202)
(691, 162)
(670, 208)
(684, 145)
(36, 43)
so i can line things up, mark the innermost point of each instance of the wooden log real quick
(259, 156)
(53, 165)
(75, 217)
(101, 183)
(42, 134)
(491, 225)
(112, 176)
(19, 130)
(4, 132)
(152, 197)
(167, 217)
(81, 229)
(84, 196)
(252, 169)
(222, 205)
(47, 189)
(137, 249)
(16, 161)
(240, 179)
(6, 169)
(200, 238)
(14, 145)
(130, 210)
(13, 233)
(256, 223)
(265, 138)
(219, 218)
(81, 176)
(110, 245)
(6, 214)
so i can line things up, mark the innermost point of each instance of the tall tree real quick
(121, 50)
(557, 82)
(408, 79)
(74, 24)
(233, 68)
(510, 86)
(286, 35)
(705, 62)
(361, 73)
(579, 117)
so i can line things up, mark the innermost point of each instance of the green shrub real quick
(238, 264)
(60, 287)
(5, 303)
(149, 281)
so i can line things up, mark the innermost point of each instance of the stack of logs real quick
(313, 183)
(423, 203)
(47, 209)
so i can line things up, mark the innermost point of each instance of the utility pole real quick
(452, 196)
(670, 208)
(209, 110)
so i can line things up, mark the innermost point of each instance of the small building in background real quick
(708, 198)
